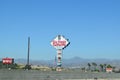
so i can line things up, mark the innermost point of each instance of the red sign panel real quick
(59, 43)
(7, 60)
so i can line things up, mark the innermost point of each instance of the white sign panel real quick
(59, 42)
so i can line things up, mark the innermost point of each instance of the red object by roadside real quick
(7, 60)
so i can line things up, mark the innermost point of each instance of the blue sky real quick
(92, 27)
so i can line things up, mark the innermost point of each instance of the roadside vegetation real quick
(94, 67)
(91, 67)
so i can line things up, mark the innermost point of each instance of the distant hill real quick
(72, 62)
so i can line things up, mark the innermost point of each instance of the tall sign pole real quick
(59, 57)
(59, 43)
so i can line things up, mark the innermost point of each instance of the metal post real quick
(28, 51)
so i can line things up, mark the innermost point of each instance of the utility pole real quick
(28, 51)
(28, 66)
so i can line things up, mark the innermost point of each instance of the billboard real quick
(59, 42)
(7, 60)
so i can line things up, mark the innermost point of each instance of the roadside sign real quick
(59, 42)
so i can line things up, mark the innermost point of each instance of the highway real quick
(53, 75)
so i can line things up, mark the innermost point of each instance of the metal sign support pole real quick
(59, 59)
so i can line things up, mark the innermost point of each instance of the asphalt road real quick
(53, 75)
